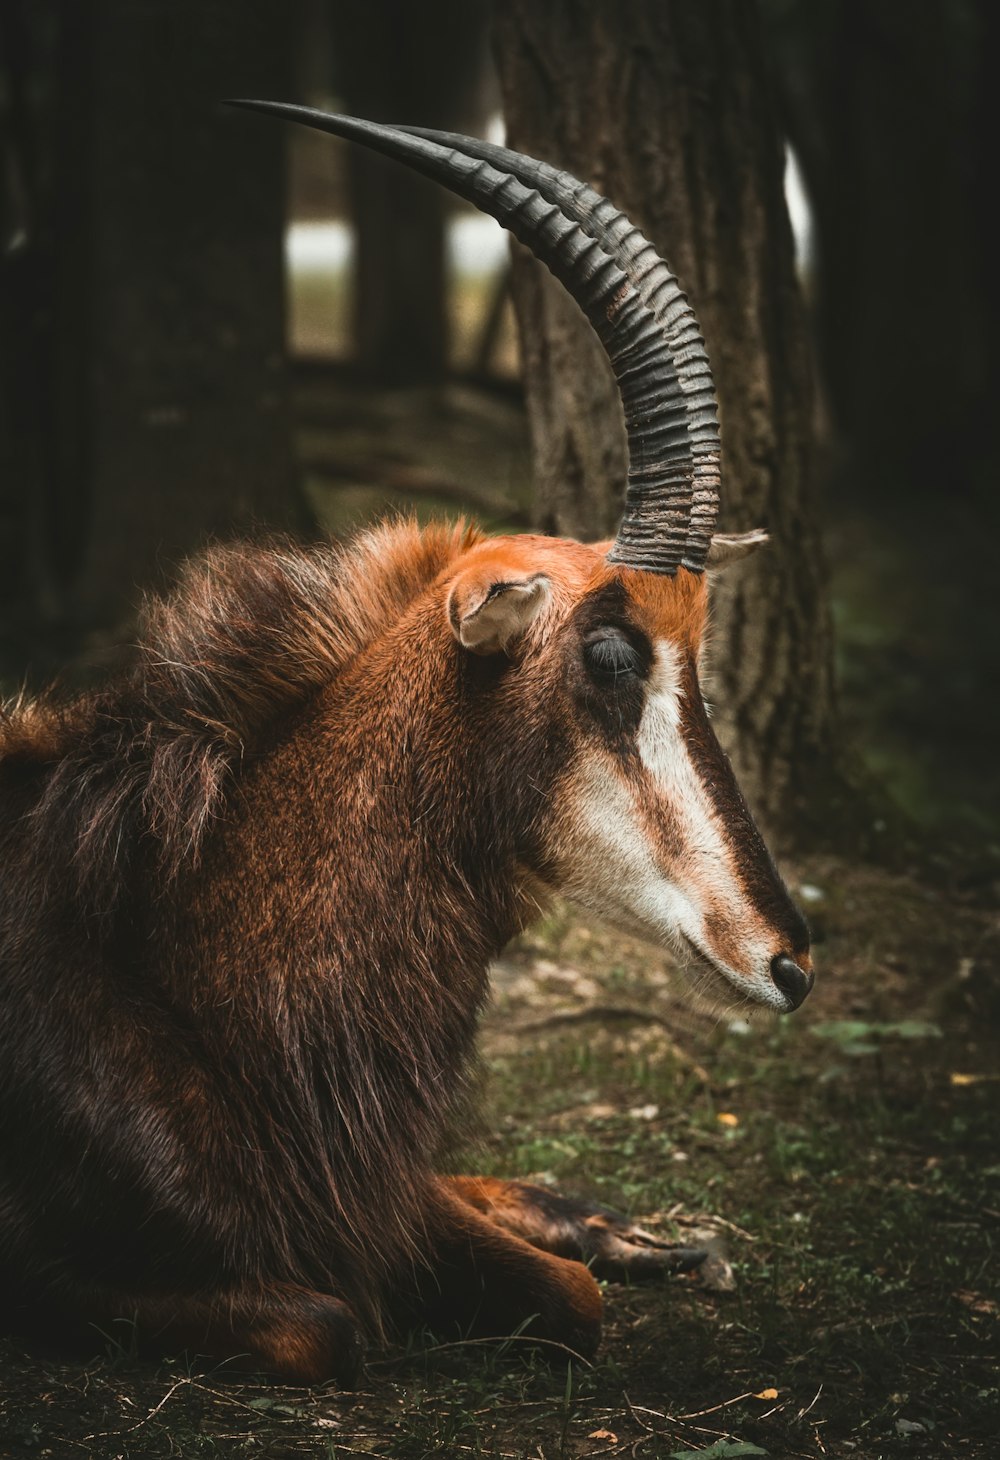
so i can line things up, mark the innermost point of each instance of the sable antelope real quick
(251, 890)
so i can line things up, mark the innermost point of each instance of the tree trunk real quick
(158, 401)
(664, 106)
(397, 62)
(888, 108)
(185, 271)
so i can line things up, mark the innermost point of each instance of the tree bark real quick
(158, 386)
(664, 106)
(394, 61)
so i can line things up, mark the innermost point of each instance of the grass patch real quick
(868, 1207)
(846, 1159)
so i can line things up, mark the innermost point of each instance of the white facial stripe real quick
(615, 866)
(705, 863)
(612, 868)
(665, 755)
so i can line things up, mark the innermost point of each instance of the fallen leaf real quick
(767, 1394)
(726, 1117)
(612, 1439)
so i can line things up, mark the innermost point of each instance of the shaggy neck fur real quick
(194, 826)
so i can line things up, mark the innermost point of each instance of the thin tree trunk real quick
(154, 337)
(192, 430)
(397, 62)
(888, 108)
(44, 471)
(664, 106)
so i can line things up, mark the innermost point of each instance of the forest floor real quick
(845, 1161)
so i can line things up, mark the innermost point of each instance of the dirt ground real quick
(843, 1161)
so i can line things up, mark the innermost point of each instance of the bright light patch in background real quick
(319, 264)
(799, 211)
(319, 258)
(476, 245)
(323, 248)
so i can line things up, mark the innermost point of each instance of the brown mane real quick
(250, 633)
(249, 894)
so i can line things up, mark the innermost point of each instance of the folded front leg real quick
(610, 1245)
(489, 1282)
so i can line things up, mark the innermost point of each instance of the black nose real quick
(793, 982)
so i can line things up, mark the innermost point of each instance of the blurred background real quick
(211, 323)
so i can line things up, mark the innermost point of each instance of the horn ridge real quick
(648, 274)
(630, 298)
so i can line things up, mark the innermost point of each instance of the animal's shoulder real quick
(251, 631)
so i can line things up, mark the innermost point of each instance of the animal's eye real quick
(610, 655)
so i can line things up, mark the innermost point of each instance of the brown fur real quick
(246, 918)
(248, 897)
(251, 632)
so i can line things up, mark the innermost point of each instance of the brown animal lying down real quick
(248, 897)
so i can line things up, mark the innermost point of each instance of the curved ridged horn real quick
(630, 297)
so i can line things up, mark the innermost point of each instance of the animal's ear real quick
(488, 613)
(729, 547)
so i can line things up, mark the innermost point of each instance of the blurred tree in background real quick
(888, 106)
(390, 64)
(891, 110)
(142, 358)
